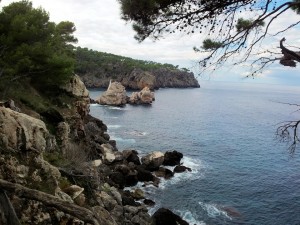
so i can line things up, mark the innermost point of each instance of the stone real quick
(116, 194)
(131, 156)
(144, 175)
(138, 194)
(76, 87)
(19, 131)
(166, 217)
(108, 201)
(114, 95)
(80, 200)
(118, 179)
(74, 191)
(107, 148)
(164, 172)
(145, 96)
(181, 169)
(153, 160)
(104, 214)
(109, 157)
(149, 202)
(172, 158)
(96, 163)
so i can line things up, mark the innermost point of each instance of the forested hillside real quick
(97, 68)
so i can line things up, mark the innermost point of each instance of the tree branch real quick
(81, 213)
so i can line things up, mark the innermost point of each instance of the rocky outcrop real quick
(76, 87)
(144, 97)
(137, 79)
(19, 131)
(174, 79)
(75, 173)
(114, 95)
(153, 160)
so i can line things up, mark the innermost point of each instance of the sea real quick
(241, 171)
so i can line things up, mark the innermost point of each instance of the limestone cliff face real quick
(72, 164)
(19, 131)
(137, 79)
(114, 95)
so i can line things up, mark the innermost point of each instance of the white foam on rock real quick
(188, 217)
(213, 210)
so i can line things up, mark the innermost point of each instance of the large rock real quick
(138, 79)
(153, 160)
(145, 96)
(172, 158)
(166, 217)
(114, 95)
(76, 87)
(19, 131)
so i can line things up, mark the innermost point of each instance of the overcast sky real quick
(99, 27)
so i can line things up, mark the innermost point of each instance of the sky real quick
(100, 27)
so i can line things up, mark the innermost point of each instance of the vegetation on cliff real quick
(97, 68)
(33, 50)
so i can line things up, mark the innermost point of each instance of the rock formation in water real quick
(145, 96)
(114, 95)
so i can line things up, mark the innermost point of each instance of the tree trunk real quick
(7, 213)
(81, 213)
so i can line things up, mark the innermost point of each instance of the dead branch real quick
(81, 213)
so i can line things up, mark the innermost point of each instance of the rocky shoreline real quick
(74, 174)
(137, 79)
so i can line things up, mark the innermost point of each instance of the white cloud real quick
(99, 27)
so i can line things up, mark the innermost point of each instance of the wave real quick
(188, 217)
(214, 210)
(111, 126)
(136, 133)
(117, 108)
(124, 140)
(198, 171)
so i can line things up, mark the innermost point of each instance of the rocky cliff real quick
(59, 166)
(96, 69)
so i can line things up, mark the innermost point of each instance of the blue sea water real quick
(241, 173)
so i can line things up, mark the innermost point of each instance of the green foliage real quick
(103, 64)
(244, 24)
(32, 46)
(209, 44)
(296, 8)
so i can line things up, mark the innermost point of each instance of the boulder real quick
(172, 158)
(144, 175)
(114, 95)
(19, 131)
(131, 156)
(76, 87)
(145, 96)
(153, 160)
(74, 191)
(181, 169)
(138, 194)
(164, 172)
(166, 217)
(149, 202)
